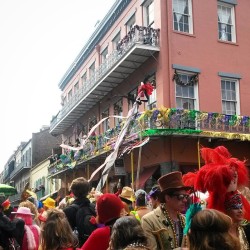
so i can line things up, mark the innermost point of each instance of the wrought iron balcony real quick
(19, 168)
(132, 51)
(159, 122)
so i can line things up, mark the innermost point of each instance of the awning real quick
(144, 176)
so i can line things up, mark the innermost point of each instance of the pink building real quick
(196, 55)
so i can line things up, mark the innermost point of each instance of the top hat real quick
(23, 211)
(49, 203)
(127, 194)
(171, 182)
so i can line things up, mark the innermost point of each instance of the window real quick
(118, 111)
(149, 13)
(132, 97)
(186, 90)
(105, 113)
(104, 55)
(130, 23)
(229, 96)
(84, 78)
(70, 95)
(226, 22)
(152, 100)
(182, 16)
(92, 70)
(76, 87)
(116, 40)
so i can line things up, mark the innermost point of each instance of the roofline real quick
(101, 30)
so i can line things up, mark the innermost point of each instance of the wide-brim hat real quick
(127, 194)
(49, 203)
(170, 182)
(23, 211)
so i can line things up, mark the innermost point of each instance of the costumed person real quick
(127, 196)
(127, 234)
(57, 233)
(141, 207)
(221, 176)
(9, 230)
(31, 231)
(108, 209)
(48, 204)
(210, 230)
(33, 210)
(164, 225)
(154, 197)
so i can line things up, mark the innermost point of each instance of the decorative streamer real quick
(90, 133)
(109, 162)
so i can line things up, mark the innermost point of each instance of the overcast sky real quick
(39, 41)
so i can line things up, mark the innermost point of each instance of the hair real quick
(80, 187)
(125, 231)
(32, 208)
(57, 233)
(141, 199)
(210, 231)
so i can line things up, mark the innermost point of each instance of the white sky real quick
(39, 41)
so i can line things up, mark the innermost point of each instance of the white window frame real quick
(130, 23)
(237, 95)
(84, 78)
(92, 70)
(76, 87)
(189, 15)
(195, 86)
(233, 27)
(146, 14)
(116, 40)
(106, 123)
(104, 54)
(70, 94)
(119, 103)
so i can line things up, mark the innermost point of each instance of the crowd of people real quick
(170, 216)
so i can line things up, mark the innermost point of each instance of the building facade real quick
(194, 55)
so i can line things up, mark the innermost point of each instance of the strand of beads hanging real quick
(136, 244)
(170, 223)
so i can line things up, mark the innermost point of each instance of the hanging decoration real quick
(193, 79)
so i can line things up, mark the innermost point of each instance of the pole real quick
(198, 149)
(132, 168)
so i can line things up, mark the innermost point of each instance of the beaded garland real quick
(136, 244)
(170, 223)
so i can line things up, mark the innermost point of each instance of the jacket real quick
(158, 233)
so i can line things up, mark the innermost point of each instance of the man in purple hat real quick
(164, 225)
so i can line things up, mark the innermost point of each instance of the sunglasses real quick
(181, 197)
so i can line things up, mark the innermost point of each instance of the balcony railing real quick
(138, 35)
(160, 122)
(20, 166)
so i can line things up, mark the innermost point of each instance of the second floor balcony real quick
(155, 123)
(132, 51)
(24, 165)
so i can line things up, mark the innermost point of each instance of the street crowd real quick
(173, 215)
